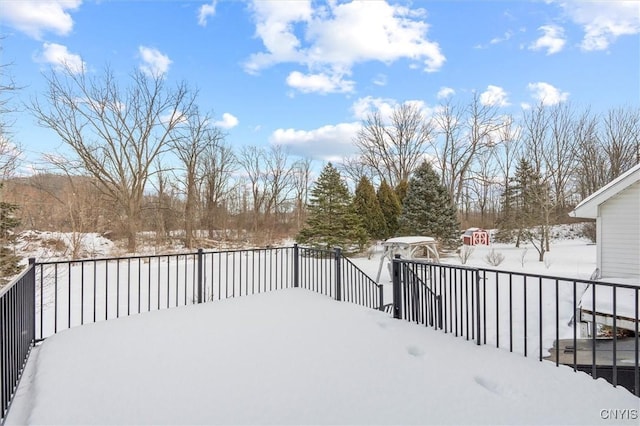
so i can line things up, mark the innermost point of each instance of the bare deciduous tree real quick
(194, 135)
(558, 160)
(535, 135)
(353, 169)
(301, 178)
(464, 133)
(621, 139)
(592, 170)
(393, 150)
(484, 181)
(278, 183)
(218, 164)
(79, 199)
(116, 133)
(9, 151)
(251, 159)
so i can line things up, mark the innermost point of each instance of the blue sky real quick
(304, 74)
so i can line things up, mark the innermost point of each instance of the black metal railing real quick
(54, 296)
(72, 293)
(17, 333)
(330, 273)
(423, 304)
(358, 287)
(529, 314)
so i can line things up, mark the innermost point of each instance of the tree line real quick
(144, 157)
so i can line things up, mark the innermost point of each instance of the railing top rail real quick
(560, 278)
(417, 278)
(440, 264)
(320, 250)
(523, 274)
(151, 256)
(371, 280)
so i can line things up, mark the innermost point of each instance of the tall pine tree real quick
(332, 221)
(366, 206)
(390, 207)
(427, 208)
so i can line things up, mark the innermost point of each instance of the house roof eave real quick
(588, 208)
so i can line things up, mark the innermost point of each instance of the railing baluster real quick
(497, 313)
(525, 314)
(575, 327)
(81, 293)
(614, 371)
(557, 323)
(637, 349)
(540, 318)
(510, 312)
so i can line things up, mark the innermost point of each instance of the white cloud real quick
(363, 107)
(205, 11)
(445, 92)
(496, 40)
(329, 39)
(173, 118)
(228, 121)
(319, 83)
(154, 62)
(59, 57)
(327, 143)
(546, 93)
(603, 21)
(380, 80)
(552, 39)
(274, 26)
(36, 17)
(494, 96)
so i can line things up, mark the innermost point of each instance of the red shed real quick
(475, 237)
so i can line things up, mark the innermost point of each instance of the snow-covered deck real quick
(293, 357)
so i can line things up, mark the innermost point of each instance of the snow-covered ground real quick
(295, 357)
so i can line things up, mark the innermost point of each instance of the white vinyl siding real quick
(619, 245)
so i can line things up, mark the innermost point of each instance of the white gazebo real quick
(412, 247)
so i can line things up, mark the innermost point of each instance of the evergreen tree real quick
(525, 208)
(401, 190)
(391, 208)
(427, 208)
(367, 207)
(9, 262)
(332, 220)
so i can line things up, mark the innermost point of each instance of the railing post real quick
(296, 266)
(439, 310)
(381, 297)
(338, 255)
(32, 289)
(200, 274)
(397, 305)
(478, 325)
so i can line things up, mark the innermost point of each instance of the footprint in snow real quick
(414, 350)
(496, 388)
